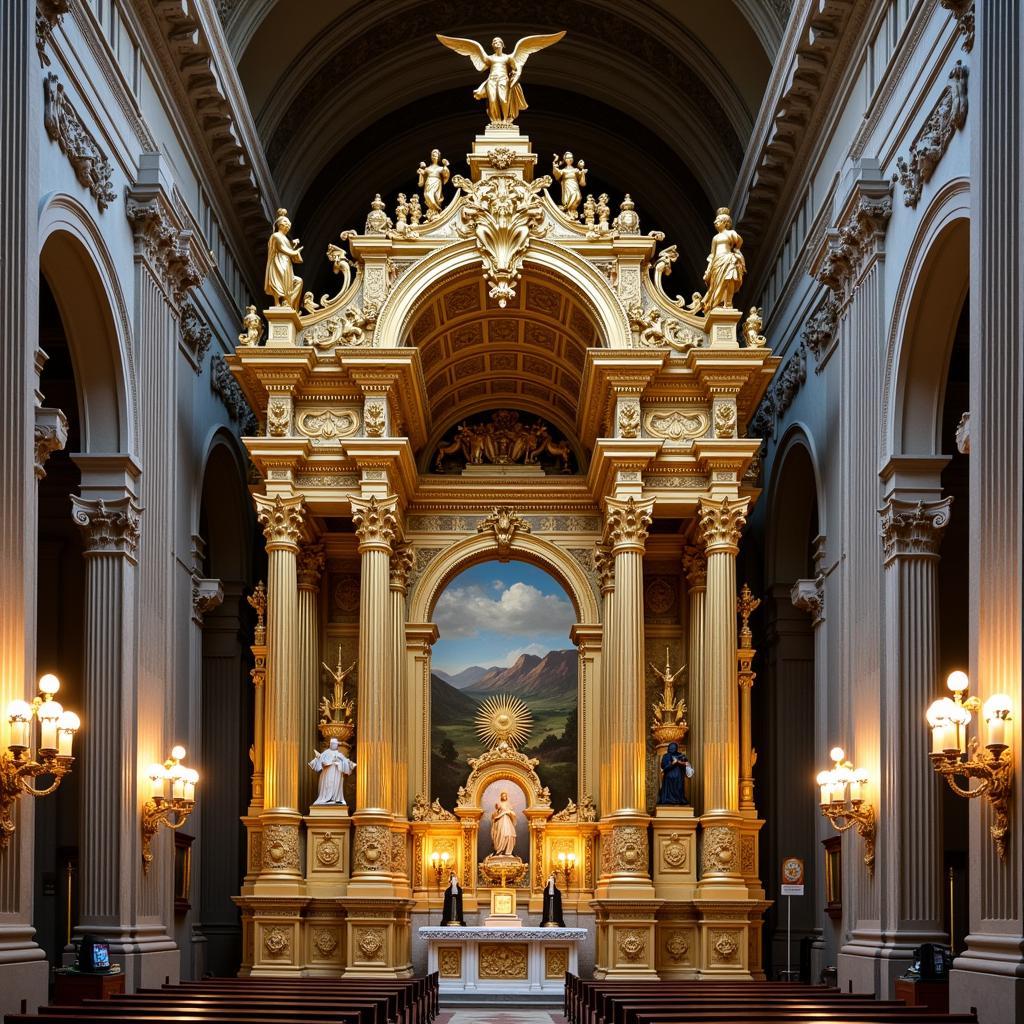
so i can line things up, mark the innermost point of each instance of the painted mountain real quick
(466, 678)
(548, 686)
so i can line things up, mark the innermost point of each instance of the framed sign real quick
(792, 877)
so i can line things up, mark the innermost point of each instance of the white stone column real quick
(988, 973)
(309, 571)
(24, 972)
(376, 528)
(282, 522)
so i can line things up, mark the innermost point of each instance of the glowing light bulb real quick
(957, 681)
(178, 752)
(837, 754)
(49, 684)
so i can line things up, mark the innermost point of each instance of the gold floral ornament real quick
(501, 88)
(503, 721)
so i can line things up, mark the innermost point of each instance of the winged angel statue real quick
(502, 90)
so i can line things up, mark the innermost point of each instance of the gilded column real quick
(376, 527)
(695, 567)
(720, 522)
(282, 522)
(910, 845)
(604, 563)
(747, 605)
(110, 531)
(310, 569)
(402, 561)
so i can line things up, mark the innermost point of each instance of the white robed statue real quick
(503, 826)
(332, 766)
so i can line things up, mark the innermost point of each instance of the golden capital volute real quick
(604, 564)
(722, 522)
(695, 566)
(403, 559)
(281, 519)
(376, 522)
(627, 522)
(312, 558)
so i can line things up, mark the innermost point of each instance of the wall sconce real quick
(18, 768)
(566, 865)
(439, 862)
(842, 802)
(952, 754)
(158, 808)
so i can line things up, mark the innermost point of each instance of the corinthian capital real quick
(628, 522)
(281, 519)
(375, 521)
(109, 527)
(402, 561)
(695, 566)
(604, 563)
(913, 529)
(312, 559)
(722, 522)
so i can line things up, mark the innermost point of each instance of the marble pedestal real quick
(502, 960)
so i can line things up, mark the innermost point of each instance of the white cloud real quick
(520, 610)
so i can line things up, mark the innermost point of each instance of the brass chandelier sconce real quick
(159, 807)
(954, 755)
(18, 767)
(566, 867)
(439, 862)
(842, 802)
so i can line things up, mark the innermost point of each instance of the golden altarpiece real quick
(598, 431)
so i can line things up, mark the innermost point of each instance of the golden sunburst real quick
(503, 719)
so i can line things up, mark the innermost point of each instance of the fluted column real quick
(910, 843)
(402, 561)
(695, 567)
(721, 522)
(110, 530)
(282, 522)
(376, 527)
(604, 563)
(309, 570)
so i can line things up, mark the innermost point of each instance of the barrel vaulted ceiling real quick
(657, 96)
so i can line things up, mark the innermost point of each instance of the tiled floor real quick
(483, 1016)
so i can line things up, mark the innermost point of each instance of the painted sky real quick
(494, 612)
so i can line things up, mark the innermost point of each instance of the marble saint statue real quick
(675, 770)
(552, 916)
(333, 766)
(726, 265)
(503, 826)
(280, 282)
(501, 88)
(452, 912)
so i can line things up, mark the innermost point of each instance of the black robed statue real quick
(675, 770)
(552, 917)
(452, 912)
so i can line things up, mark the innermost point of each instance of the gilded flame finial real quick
(501, 89)
(258, 602)
(746, 606)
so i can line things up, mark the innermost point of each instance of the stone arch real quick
(556, 261)
(77, 265)
(224, 475)
(795, 506)
(930, 296)
(482, 547)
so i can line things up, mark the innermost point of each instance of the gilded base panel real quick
(626, 938)
(323, 930)
(328, 831)
(674, 852)
(272, 936)
(750, 867)
(677, 941)
(624, 860)
(377, 938)
(281, 867)
(727, 932)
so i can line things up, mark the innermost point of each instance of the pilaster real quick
(402, 562)
(695, 569)
(309, 570)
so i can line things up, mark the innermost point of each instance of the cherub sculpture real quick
(501, 89)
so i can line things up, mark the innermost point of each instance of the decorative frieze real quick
(780, 395)
(65, 127)
(504, 523)
(819, 332)
(108, 527)
(913, 529)
(857, 238)
(930, 144)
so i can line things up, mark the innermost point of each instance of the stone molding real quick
(963, 11)
(225, 386)
(781, 394)
(77, 143)
(50, 434)
(809, 596)
(48, 16)
(930, 144)
(108, 526)
(281, 519)
(207, 594)
(819, 333)
(913, 529)
(196, 335)
(161, 240)
(857, 237)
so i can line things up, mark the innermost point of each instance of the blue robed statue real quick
(675, 770)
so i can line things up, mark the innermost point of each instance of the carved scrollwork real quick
(281, 847)
(632, 943)
(277, 942)
(326, 424)
(629, 848)
(373, 848)
(370, 942)
(720, 851)
(676, 946)
(677, 424)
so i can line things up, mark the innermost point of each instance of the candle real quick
(19, 714)
(997, 731)
(157, 775)
(66, 729)
(854, 789)
(49, 715)
(822, 781)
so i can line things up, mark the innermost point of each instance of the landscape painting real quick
(504, 629)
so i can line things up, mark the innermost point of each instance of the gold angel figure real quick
(501, 88)
(668, 709)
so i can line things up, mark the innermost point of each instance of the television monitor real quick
(93, 955)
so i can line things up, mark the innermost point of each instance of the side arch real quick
(78, 267)
(795, 498)
(931, 293)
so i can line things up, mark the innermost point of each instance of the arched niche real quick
(933, 287)
(81, 275)
(794, 510)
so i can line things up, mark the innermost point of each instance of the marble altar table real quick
(502, 959)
